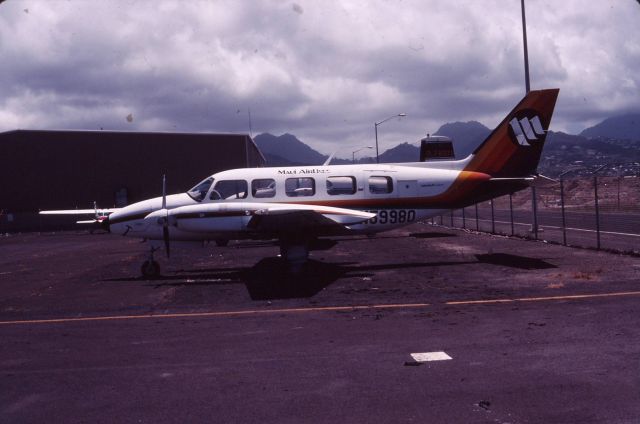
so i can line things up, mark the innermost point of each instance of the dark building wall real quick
(69, 169)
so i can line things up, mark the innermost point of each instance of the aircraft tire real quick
(222, 242)
(150, 269)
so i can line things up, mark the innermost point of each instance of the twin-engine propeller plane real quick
(298, 205)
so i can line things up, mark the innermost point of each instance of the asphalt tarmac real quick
(536, 333)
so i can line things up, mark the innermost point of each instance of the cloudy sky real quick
(322, 70)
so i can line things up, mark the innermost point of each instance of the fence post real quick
(564, 222)
(464, 224)
(619, 178)
(511, 213)
(493, 219)
(477, 219)
(595, 191)
(534, 209)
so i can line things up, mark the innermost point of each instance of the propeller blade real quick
(165, 236)
(165, 221)
(164, 191)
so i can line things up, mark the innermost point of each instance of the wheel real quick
(150, 269)
(222, 242)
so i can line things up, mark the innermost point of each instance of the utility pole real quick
(526, 52)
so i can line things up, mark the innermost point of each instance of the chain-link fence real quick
(601, 212)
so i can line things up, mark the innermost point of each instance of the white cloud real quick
(324, 71)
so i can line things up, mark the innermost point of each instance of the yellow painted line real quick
(479, 302)
(315, 309)
(217, 314)
(545, 298)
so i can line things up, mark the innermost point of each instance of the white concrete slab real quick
(430, 356)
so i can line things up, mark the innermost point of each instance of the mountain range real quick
(288, 150)
(623, 127)
(614, 140)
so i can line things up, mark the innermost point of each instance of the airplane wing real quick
(268, 218)
(99, 214)
(79, 211)
(301, 218)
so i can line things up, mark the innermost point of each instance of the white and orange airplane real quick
(297, 205)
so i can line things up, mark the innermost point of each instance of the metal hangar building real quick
(42, 169)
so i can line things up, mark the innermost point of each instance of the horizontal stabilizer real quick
(90, 221)
(513, 179)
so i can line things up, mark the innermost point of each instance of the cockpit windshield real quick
(198, 192)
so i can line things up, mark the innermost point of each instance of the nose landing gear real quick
(150, 268)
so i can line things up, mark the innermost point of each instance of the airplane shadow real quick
(514, 261)
(271, 279)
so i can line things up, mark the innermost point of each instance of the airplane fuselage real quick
(223, 205)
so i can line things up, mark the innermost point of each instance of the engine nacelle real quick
(211, 218)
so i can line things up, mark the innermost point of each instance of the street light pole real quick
(377, 152)
(353, 154)
(375, 125)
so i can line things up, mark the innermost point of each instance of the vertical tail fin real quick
(513, 149)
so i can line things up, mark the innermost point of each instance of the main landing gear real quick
(295, 254)
(151, 268)
(295, 251)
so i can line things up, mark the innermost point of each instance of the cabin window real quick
(297, 187)
(380, 185)
(263, 188)
(341, 185)
(198, 192)
(229, 189)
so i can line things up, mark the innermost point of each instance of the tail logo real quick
(527, 131)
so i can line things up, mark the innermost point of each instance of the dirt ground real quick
(536, 332)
